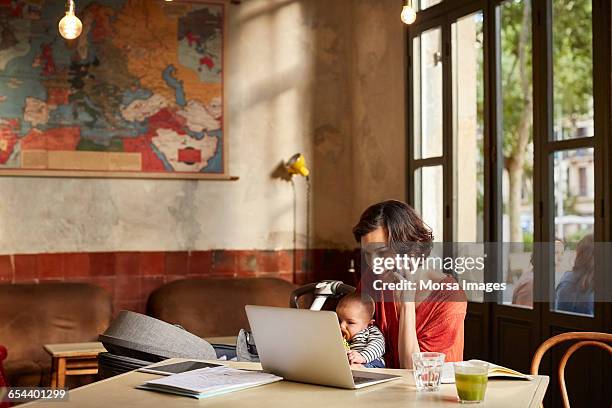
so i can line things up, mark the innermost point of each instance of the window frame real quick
(442, 15)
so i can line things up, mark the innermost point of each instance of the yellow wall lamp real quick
(297, 165)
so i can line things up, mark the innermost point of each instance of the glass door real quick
(509, 156)
(448, 144)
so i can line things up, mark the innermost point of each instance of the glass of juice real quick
(471, 379)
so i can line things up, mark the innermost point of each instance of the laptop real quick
(306, 346)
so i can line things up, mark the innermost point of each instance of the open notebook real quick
(448, 373)
(209, 382)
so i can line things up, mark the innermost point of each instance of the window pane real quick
(572, 69)
(423, 4)
(468, 127)
(427, 96)
(468, 143)
(574, 221)
(428, 196)
(517, 143)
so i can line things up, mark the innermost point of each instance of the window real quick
(516, 111)
(482, 169)
(573, 176)
(574, 226)
(427, 99)
(427, 129)
(429, 199)
(509, 151)
(572, 46)
(468, 142)
(582, 180)
(468, 127)
(423, 4)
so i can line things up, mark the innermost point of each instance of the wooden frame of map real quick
(138, 95)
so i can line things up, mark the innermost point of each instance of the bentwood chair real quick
(581, 339)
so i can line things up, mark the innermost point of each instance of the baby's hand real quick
(355, 357)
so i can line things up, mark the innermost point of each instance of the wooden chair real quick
(581, 339)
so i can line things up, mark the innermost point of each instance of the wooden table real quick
(119, 391)
(72, 359)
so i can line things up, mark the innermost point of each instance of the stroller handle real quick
(298, 293)
(338, 289)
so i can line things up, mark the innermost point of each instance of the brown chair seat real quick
(32, 315)
(215, 307)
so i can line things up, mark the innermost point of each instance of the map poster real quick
(138, 94)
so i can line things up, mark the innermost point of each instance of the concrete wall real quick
(322, 77)
(378, 108)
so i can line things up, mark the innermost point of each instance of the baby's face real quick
(353, 318)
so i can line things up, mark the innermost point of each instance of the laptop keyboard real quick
(361, 380)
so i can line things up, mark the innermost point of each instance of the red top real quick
(439, 324)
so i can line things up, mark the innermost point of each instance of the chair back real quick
(581, 339)
(50, 313)
(215, 307)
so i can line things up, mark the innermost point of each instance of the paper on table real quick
(214, 379)
(448, 373)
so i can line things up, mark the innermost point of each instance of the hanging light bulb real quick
(70, 26)
(408, 13)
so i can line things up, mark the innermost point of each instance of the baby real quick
(366, 342)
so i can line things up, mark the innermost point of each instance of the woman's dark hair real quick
(404, 226)
(584, 265)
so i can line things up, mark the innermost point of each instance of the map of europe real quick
(141, 90)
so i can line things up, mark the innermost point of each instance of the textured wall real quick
(378, 108)
(318, 76)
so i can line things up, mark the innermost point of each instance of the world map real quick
(140, 91)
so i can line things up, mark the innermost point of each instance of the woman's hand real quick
(405, 278)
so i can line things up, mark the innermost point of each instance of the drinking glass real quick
(471, 378)
(427, 370)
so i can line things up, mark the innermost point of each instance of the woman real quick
(575, 290)
(431, 320)
(522, 294)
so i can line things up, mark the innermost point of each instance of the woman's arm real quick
(407, 337)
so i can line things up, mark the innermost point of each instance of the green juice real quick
(471, 387)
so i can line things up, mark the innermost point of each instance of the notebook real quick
(176, 368)
(448, 373)
(209, 382)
